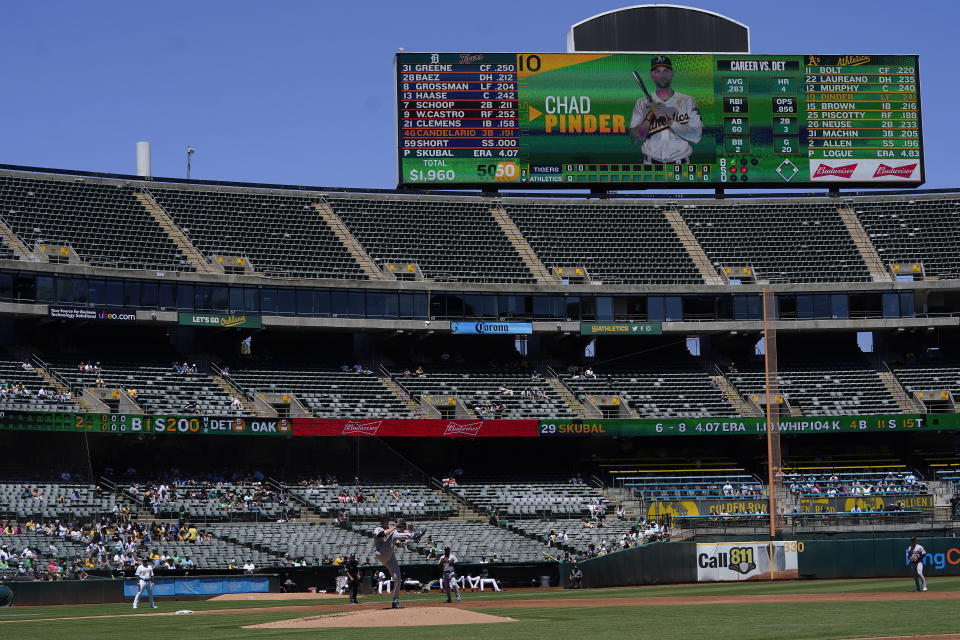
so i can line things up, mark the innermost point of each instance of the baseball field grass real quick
(745, 611)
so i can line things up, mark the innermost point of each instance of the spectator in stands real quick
(621, 513)
(504, 391)
(419, 373)
(41, 393)
(589, 373)
(249, 567)
(26, 366)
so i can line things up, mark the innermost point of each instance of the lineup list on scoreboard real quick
(565, 120)
(467, 109)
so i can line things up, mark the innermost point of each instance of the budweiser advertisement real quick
(865, 170)
(415, 428)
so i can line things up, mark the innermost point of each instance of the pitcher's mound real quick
(410, 617)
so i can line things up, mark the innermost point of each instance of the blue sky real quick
(301, 92)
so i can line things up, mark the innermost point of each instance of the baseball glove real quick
(402, 524)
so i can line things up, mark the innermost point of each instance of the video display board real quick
(638, 121)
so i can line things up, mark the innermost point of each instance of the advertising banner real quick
(750, 505)
(492, 328)
(219, 320)
(620, 329)
(885, 502)
(87, 313)
(739, 561)
(416, 428)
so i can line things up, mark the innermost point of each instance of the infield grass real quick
(749, 621)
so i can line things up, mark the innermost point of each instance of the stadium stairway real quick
(729, 392)
(174, 232)
(465, 510)
(13, 241)
(401, 395)
(864, 245)
(529, 256)
(583, 411)
(904, 400)
(349, 241)
(693, 248)
(248, 405)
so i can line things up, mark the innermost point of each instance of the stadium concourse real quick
(595, 368)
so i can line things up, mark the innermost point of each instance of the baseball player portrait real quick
(915, 555)
(145, 574)
(666, 123)
(385, 538)
(448, 563)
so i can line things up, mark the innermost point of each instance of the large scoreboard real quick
(638, 121)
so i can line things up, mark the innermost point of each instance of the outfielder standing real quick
(668, 123)
(915, 556)
(447, 563)
(385, 538)
(145, 574)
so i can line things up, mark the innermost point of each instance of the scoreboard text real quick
(647, 121)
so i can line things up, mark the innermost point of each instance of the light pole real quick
(190, 152)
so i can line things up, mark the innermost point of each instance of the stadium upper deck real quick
(126, 223)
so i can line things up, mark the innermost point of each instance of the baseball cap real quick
(661, 61)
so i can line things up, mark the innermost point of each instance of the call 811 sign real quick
(622, 121)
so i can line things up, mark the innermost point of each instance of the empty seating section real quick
(13, 374)
(6, 253)
(617, 243)
(105, 224)
(159, 390)
(528, 500)
(822, 392)
(908, 230)
(480, 390)
(473, 541)
(396, 500)
(214, 554)
(694, 485)
(578, 537)
(666, 393)
(50, 501)
(451, 240)
(927, 378)
(782, 242)
(308, 541)
(281, 235)
(326, 393)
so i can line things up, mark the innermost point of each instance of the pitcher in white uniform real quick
(384, 539)
(667, 123)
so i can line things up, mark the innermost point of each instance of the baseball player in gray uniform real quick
(448, 563)
(915, 555)
(385, 538)
(667, 123)
(145, 574)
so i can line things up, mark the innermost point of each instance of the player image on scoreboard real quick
(667, 123)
